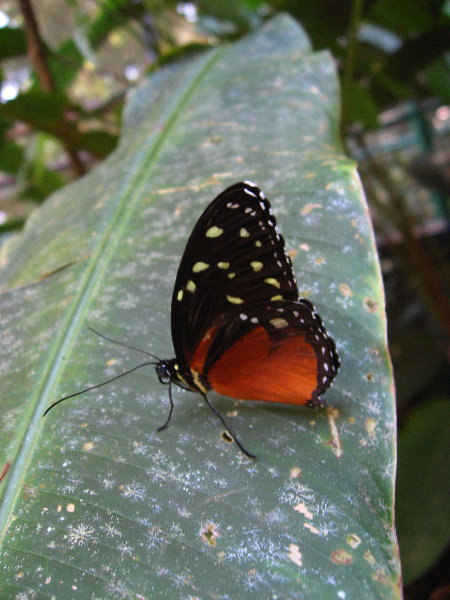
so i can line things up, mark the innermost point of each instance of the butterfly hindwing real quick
(273, 352)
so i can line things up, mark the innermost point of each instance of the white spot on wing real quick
(214, 232)
(279, 323)
(256, 265)
(272, 281)
(234, 300)
(199, 267)
(190, 286)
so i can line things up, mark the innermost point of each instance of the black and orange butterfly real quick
(238, 325)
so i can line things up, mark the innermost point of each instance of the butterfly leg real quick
(227, 427)
(170, 409)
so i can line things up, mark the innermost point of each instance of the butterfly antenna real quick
(105, 337)
(93, 387)
(228, 428)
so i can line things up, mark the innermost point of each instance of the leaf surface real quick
(96, 503)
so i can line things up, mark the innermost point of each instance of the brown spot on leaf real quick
(309, 207)
(311, 528)
(380, 576)
(353, 540)
(370, 305)
(295, 472)
(227, 437)
(295, 555)
(335, 441)
(345, 290)
(370, 425)
(341, 557)
(302, 509)
(5, 469)
(209, 533)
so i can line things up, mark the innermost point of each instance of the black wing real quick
(235, 257)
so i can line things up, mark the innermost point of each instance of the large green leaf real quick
(96, 503)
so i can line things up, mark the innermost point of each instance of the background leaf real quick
(45, 111)
(95, 500)
(12, 42)
(422, 517)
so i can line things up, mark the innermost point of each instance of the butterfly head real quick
(168, 372)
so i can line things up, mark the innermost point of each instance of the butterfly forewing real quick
(234, 257)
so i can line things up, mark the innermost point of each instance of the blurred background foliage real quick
(65, 68)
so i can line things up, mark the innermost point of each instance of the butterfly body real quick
(238, 325)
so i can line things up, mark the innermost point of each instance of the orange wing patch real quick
(198, 359)
(257, 367)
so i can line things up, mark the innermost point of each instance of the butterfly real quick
(238, 325)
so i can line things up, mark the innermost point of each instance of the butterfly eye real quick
(164, 370)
